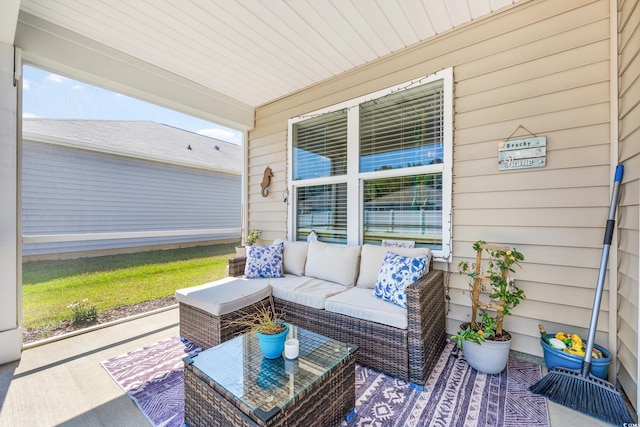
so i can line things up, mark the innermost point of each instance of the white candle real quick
(291, 348)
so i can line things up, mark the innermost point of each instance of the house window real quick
(376, 168)
(404, 208)
(403, 129)
(320, 147)
(323, 209)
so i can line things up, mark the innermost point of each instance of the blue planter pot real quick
(272, 346)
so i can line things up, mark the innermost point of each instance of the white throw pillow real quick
(335, 263)
(264, 261)
(398, 272)
(372, 257)
(295, 256)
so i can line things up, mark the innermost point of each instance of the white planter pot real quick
(490, 357)
(241, 251)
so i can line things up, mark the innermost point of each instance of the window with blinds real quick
(404, 208)
(323, 209)
(376, 168)
(320, 146)
(403, 129)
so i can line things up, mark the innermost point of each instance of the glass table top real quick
(266, 385)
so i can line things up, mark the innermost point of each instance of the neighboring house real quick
(90, 186)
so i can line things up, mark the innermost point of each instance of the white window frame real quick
(355, 179)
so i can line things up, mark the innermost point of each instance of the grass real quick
(50, 287)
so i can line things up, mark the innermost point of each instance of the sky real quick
(50, 96)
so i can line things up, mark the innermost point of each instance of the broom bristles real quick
(589, 395)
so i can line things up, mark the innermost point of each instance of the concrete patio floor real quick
(62, 383)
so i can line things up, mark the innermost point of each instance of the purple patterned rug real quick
(455, 394)
(153, 378)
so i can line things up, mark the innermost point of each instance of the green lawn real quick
(49, 287)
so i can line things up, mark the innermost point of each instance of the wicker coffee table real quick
(233, 384)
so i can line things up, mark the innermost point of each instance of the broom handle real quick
(608, 235)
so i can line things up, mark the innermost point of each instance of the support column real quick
(10, 331)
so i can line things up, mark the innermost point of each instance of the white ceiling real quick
(255, 51)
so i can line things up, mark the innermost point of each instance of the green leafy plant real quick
(492, 278)
(486, 329)
(83, 312)
(252, 237)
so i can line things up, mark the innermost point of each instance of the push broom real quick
(579, 389)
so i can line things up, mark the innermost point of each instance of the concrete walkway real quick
(63, 384)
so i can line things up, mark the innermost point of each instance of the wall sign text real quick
(522, 153)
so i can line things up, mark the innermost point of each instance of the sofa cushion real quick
(359, 303)
(398, 272)
(225, 295)
(304, 290)
(372, 257)
(295, 256)
(264, 261)
(335, 263)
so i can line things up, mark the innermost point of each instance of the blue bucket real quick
(554, 357)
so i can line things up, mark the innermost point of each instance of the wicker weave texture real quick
(327, 402)
(426, 325)
(207, 330)
(236, 266)
(406, 354)
(382, 347)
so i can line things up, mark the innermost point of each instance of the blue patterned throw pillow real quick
(264, 261)
(398, 272)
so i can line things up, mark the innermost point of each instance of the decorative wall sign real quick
(522, 153)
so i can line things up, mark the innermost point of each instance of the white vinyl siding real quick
(629, 206)
(551, 76)
(543, 65)
(73, 191)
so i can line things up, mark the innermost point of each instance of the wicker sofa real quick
(404, 343)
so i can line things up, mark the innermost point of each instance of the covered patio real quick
(508, 69)
(63, 384)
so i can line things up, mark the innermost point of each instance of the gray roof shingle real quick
(145, 138)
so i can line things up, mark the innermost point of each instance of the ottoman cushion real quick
(225, 295)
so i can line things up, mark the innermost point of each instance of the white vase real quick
(241, 251)
(490, 357)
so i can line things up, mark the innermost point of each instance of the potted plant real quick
(268, 324)
(252, 237)
(483, 340)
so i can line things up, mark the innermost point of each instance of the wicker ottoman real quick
(209, 312)
(233, 385)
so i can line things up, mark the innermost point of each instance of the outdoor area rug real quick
(153, 378)
(455, 394)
